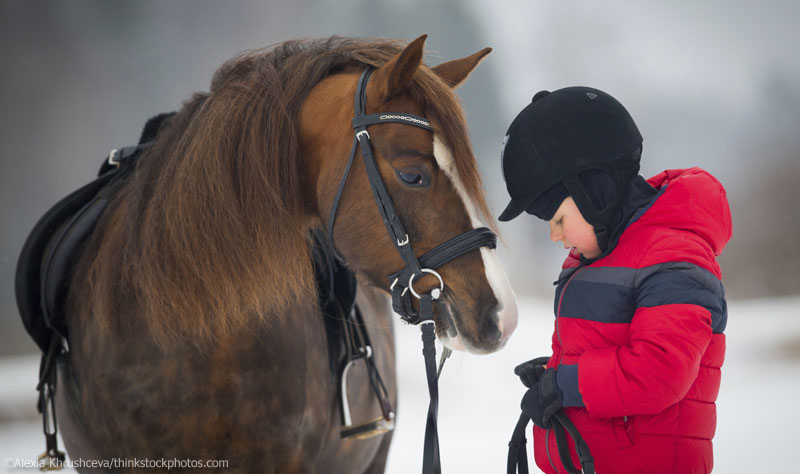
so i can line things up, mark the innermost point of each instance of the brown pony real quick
(195, 328)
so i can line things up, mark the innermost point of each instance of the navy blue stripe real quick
(612, 294)
(678, 287)
(601, 302)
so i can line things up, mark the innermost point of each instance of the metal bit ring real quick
(436, 292)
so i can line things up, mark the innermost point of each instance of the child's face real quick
(569, 227)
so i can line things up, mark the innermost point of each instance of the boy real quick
(640, 308)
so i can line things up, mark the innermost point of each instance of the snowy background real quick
(714, 84)
(479, 395)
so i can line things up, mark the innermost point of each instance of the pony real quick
(195, 324)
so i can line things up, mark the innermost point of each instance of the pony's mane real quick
(211, 228)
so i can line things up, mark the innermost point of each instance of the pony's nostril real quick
(490, 332)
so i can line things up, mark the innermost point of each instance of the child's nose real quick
(555, 233)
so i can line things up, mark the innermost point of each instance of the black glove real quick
(543, 399)
(530, 371)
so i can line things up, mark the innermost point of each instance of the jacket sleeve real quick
(670, 330)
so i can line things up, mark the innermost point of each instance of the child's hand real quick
(543, 399)
(530, 371)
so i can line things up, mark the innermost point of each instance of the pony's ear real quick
(394, 76)
(456, 71)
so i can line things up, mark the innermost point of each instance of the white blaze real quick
(495, 274)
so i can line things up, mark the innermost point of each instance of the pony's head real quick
(432, 178)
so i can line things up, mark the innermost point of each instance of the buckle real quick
(113, 158)
(52, 459)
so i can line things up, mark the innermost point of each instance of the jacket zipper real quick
(560, 358)
(558, 315)
(558, 332)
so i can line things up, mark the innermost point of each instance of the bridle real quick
(401, 282)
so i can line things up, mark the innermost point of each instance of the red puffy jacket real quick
(644, 328)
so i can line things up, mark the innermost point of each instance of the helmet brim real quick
(515, 208)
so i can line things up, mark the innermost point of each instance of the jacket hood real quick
(691, 200)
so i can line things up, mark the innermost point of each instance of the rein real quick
(517, 462)
(518, 457)
(401, 282)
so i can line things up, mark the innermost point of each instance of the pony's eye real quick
(410, 177)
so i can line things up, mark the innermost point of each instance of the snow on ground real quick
(479, 395)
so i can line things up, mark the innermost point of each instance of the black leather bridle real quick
(401, 282)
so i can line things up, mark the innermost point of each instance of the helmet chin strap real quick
(602, 234)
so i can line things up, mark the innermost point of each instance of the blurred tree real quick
(763, 257)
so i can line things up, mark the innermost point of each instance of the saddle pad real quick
(47, 256)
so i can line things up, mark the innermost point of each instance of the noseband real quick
(401, 283)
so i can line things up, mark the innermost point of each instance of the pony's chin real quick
(453, 343)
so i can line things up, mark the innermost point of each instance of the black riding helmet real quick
(578, 142)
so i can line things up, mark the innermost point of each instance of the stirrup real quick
(372, 428)
(380, 425)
